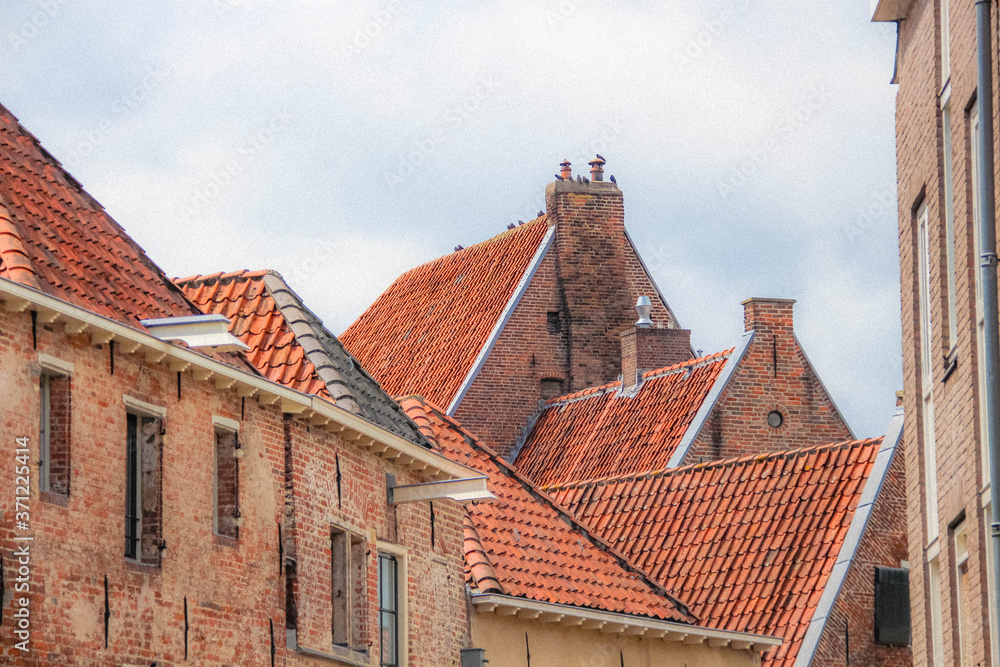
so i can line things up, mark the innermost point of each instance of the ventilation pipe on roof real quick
(988, 275)
(644, 307)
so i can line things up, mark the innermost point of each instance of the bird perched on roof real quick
(586, 180)
(511, 226)
(559, 178)
(458, 247)
(579, 179)
(541, 213)
(520, 222)
(613, 179)
(600, 157)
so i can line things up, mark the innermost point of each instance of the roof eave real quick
(18, 298)
(619, 623)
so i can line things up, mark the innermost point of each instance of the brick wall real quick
(773, 376)
(590, 278)
(852, 621)
(228, 596)
(960, 464)
(651, 348)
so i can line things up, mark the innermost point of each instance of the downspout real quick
(988, 275)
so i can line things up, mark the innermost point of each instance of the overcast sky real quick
(343, 143)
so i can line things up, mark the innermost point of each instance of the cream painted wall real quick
(556, 645)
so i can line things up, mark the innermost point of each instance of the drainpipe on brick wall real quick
(988, 275)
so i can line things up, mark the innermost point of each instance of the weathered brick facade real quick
(951, 384)
(212, 600)
(774, 375)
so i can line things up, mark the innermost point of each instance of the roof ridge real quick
(245, 274)
(709, 465)
(487, 572)
(689, 364)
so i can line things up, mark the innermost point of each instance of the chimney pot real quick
(566, 171)
(644, 307)
(597, 169)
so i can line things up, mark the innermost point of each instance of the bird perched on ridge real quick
(600, 157)
(613, 179)
(511, 226)
(559, 178)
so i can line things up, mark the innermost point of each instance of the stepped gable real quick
(58, 239)
(604, 431)
(524, 545)
(424, 334)
(289, 344)
(748, 543)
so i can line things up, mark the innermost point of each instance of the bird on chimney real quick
(511, 226)
(613, 179)
(600, 157)
(579, 179)
(586, 180)
(559, 178)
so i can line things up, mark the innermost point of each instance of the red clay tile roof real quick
(58, 239)
(289, 344)
(599, 432)
(424, 333)
(748, 543)
(523, 545)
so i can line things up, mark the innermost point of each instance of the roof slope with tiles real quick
(601, 431)
(424, 333)
(747, 543)
(523, 545)
(57, 238)
(289, 344)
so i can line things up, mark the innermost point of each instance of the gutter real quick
(988, 275)
(18, 298)
(619, 623)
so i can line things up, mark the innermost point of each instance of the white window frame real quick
(945, 44)
(949, 217)
(51, 367)
(961, 547)
(937, 619)
(402, 592)
(926, 370)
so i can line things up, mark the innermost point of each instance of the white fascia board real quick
(855, 533)
(196, 331)
(654, 628)
(498, 328)
(459, 490)
(20, 298)
(709, 403)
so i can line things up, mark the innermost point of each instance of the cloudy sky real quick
(342, 143)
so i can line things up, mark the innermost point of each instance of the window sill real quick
(142, 568)
(53, 498)
(337, 654)
(223, 541)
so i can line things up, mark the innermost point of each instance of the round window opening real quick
(774, 419)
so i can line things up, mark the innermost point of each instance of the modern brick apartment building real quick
(167, 503)
(937, 132)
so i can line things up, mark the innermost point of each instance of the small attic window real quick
(775, 419)
(551, 387)
(554, 322)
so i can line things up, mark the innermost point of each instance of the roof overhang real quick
(354, 430)
(890, 10)
(196, 331)
(617, 623)
(459, 490)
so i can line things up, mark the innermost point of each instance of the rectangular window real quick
(143, 488)
(937, 621)
(227, 484)
(349, 570)
(388, 609)
(927, 372)
(945, 44)
(963, 599)
(54, 433)
(892, 606)
(949, 224)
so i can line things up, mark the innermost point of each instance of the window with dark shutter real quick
(892, 606)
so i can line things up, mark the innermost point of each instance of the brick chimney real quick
(768, 315)
(646, 347)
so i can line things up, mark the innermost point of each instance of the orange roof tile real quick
(289, 344)
(523, 545)
(748, 543)
(424, 333)
(600, 431)
(57, 238)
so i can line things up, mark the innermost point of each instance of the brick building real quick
(168, 503)
(937, 133)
